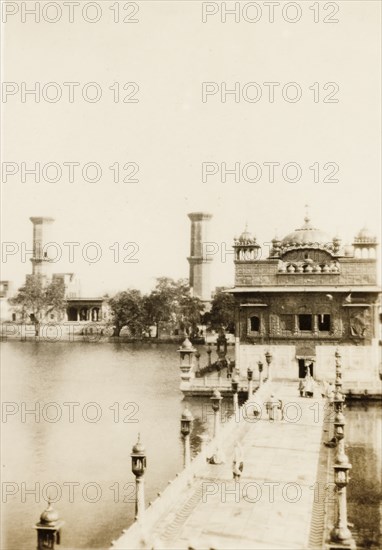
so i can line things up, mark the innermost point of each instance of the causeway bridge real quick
(278, 503)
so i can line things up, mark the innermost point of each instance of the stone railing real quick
(140, 535)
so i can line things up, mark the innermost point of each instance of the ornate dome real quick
(138, 447)
(306, 235)
(49, 516)
(246, 237)
(187, 345)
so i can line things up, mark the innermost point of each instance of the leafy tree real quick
(157, 309)
(37, 300)
(171, 302)
(222, 314)
(190, 312)
(127, 309)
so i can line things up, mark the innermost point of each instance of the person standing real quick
(271, 406)
(309, 386)
(237, 464)
(229, 368)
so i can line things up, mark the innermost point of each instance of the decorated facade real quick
(302, 298)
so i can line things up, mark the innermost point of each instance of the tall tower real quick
(199, 262)
(40, 259)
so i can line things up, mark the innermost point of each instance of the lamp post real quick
(209, 351)
(217, 457)
(235, 388)
(268, 358)
(250, 382)
(138, 467)
(260, 365)
(197, 357)
(186, 353)
(338, 401)
(185, 429)
(219, 366)
(215, 402)
(48, 529)
(341, 533)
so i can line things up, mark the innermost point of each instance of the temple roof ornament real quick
(246, 238)
(364, 236)
(306, 235)
(49, 516)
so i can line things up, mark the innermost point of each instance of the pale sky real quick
(170, 132)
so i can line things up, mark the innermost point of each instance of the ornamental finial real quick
(307, 216)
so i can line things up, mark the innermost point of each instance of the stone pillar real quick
(185, 429)
(40, 259)
(138, 466)
(187, 451)
(216, 404)
(237, 356)
(209, 351)
(260, 367)
(235, 389)
(140, 499)
(315, 324)
(217, 424)
(250, 382)
(198, 260)
(296, 329)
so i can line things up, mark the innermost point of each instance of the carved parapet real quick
(308, 267)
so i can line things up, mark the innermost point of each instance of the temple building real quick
(304, 297)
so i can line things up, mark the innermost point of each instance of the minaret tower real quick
(40, 259)
(199, 262)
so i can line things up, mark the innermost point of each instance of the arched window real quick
(255, 323)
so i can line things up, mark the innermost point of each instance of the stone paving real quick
(271, 506)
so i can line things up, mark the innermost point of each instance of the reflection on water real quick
(83, 459)
(90, 458)
(363, 435)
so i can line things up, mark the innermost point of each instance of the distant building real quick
(79, 309)
(6, 313)
(306, 297)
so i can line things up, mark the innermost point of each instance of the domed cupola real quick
(246, 237)
(306, 236)
(365, 244)
(276, 247)
(246, 247)
(364, 236)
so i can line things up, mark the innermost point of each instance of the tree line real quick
(170, 307)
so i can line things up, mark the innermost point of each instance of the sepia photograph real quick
(190, 287)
